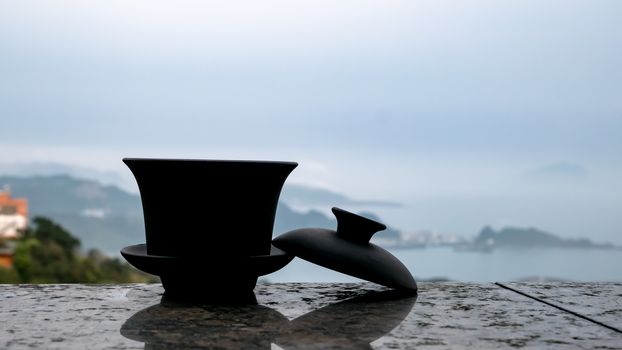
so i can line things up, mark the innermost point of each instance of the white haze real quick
(469, 113)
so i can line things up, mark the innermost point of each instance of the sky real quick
(470, 112)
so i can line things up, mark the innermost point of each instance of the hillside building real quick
(13, 220)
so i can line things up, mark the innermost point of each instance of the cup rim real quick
(195, 160)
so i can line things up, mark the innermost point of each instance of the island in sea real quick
(489, 239)
(515, 237)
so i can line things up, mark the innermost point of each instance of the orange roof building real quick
(13, 214)
(6, 259)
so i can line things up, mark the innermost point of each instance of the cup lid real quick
(348, 250)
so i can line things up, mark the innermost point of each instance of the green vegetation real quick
(47, 253)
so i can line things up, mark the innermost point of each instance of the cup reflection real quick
(349, 324)
(173, 325)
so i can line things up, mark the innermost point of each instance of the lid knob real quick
(355, 228)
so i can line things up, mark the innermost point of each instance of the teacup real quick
(209, 208)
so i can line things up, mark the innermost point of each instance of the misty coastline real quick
(107, 217)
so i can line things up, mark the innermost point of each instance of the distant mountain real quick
(108, 218)
(288, 219)
(558, 172)
(389, 233)
(513, 237)
(25, 169)
(57, 194)
(297, 196)
(300, 195)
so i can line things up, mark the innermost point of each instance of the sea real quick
(500, 265)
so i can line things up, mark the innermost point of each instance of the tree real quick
(47, 253)
(47, 230)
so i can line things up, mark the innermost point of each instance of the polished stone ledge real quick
(313, 316)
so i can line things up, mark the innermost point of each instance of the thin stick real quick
(559, 307)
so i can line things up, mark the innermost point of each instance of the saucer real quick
(158, 265)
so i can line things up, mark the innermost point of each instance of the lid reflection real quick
(350, 324)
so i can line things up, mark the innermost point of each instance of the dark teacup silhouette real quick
(208, 223)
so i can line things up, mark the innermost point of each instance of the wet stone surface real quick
(302, 316)
(599, 301)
